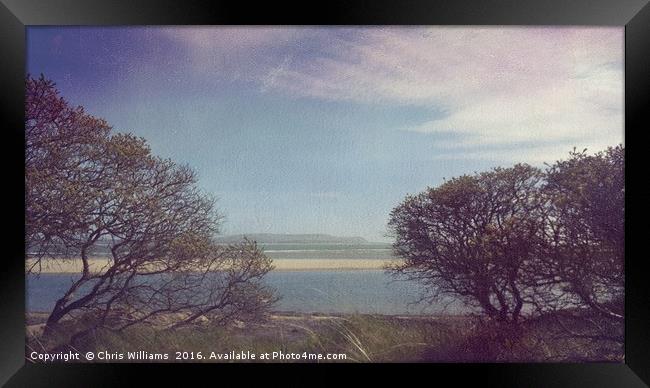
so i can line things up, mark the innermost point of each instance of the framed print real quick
(435, 185)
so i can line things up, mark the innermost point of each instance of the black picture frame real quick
(15, 15)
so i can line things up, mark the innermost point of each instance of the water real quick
(354, 291)
(345, 291)
(375, 251)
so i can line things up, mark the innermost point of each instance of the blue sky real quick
(325, 130)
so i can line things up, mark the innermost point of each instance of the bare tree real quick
(87, 188)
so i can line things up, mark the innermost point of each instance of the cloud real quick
(269, 81)
(448, 64)
(232, 53)
(568, 110)
(498, 86)
(516, 86)
(207, 40)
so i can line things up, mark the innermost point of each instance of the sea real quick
(367, 291)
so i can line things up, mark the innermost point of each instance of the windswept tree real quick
(61, 145)
(475, 237)
(521, 241)
(87, 188)
(588, 215)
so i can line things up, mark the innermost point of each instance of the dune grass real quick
(361, 337)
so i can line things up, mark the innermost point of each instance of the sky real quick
(326, 129)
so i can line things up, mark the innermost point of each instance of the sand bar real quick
(98, 264)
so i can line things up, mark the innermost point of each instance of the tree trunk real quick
(60, 308)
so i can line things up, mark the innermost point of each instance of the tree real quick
(60, 144)
(588, 213)
(519, 240)
(88, 188)
(475, 237)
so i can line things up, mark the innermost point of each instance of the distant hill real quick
(102, 247)
(271, 238)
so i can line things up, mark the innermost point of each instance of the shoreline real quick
(72, 266)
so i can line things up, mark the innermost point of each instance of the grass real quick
(361, 337)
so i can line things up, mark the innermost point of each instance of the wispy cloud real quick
(245, 53)
(209, 40)
(269, 81)
(498, 86)
(249, 107)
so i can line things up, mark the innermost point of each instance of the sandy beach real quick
(99, 264)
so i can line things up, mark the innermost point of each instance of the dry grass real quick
(362, 338)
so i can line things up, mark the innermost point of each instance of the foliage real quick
(588, 214)
(475, 237)
(520, 242)
(87, 186)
